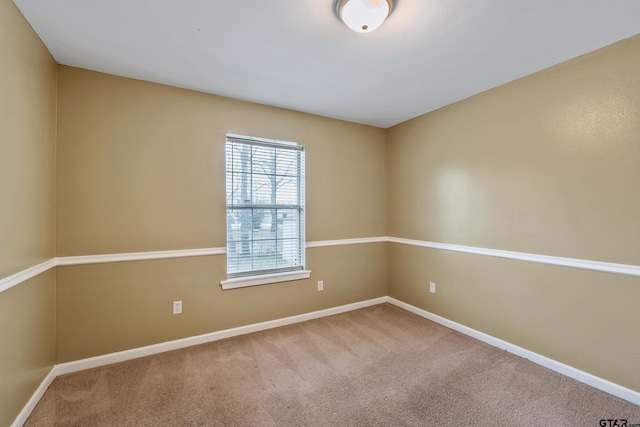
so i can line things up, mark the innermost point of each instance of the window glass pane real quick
(264, 194)
(287, 192)
(239, 193)
(263, 160)
(261, 188)
(287, 163)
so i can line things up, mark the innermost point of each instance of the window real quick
(265, 211)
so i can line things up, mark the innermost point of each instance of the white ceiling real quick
(296, 54)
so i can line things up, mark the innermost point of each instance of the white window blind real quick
(265, 206)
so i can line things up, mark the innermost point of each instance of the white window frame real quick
(261, 277)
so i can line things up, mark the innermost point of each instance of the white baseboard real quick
(121, 356)
(35, 398)
(571, 372)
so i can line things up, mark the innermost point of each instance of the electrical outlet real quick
(320, 285)
(177, 307)
(432, 287)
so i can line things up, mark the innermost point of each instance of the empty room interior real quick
(462, 198)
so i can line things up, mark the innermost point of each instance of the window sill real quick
(243, 282)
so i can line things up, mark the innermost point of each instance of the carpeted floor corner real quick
(379, 366)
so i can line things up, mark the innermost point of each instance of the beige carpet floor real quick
(379, 366)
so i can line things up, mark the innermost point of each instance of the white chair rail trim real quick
(26, 274)
(608, 267)
(138, 256)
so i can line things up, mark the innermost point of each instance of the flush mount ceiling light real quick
(363, 16)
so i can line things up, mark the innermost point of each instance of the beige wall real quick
(28, 344)
(27, 135)
(27, 217)
(548, 164)
(104, 308)
(141, 168)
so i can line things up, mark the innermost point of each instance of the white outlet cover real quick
(432, 287)
(177, 307)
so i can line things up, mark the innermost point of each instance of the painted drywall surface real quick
(141, 166)
(27, 334)
(584, 319)
(105, 308)
(547, 164)
(27, 144)
(27, 209)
